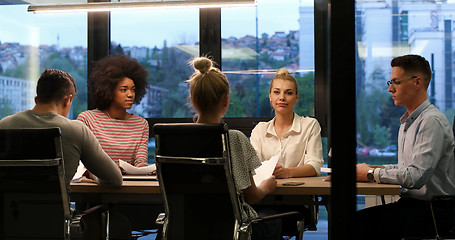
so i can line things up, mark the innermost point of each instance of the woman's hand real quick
(281, 172)
(142, 165)
(269, 185)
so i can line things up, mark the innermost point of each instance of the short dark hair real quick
(414, 64)
(108, 72)
(53, 85)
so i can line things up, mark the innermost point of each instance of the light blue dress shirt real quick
(426, 166)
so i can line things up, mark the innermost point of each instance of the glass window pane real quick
(163, 42)
(30, 43)
(256, 42)
(385, 30)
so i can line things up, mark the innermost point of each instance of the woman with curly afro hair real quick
(115, 84)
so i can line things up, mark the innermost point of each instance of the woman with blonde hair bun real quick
(297, 139)
(209, 94)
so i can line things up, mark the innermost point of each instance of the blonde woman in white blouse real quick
(297, 139)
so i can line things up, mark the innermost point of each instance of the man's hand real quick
(88, 177)
(122, 170)
(362, 170)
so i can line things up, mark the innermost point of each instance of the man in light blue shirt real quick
(426, 165)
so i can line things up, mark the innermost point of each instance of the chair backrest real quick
(196, 181)
(33, 193)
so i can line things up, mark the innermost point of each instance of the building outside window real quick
(387, 29)
(256, 42)
(30, 43)
(163, 42)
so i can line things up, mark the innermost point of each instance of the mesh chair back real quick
(33, 196)
(196, 181)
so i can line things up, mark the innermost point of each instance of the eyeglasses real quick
(395, 82)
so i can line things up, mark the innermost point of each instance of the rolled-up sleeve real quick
(420, 155)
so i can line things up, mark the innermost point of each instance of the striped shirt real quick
(121, 139)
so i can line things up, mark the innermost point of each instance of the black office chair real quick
(34, 197)
(449, 201)
(196, 182)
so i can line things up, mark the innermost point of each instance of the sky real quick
(146, 28)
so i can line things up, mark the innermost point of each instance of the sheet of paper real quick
(79, 173)
(132, 170)
(140, 177)
(326, 170)
(266, 169)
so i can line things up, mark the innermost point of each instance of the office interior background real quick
(249, 44)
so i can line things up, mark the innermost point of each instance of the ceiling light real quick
(125, 6)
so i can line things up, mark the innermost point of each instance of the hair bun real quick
(202, 64)
(282, 71)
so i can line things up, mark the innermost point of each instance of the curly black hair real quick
(108, 72)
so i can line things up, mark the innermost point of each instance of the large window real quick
(258, 41)
(29, 44)
(163, 42)
(255, 43)
(384, 30)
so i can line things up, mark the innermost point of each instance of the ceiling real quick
(42, 2)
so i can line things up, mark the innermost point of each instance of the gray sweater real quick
(78, 142)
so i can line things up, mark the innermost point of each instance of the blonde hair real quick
(284, 74)
(208, 85)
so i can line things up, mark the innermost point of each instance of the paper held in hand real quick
(129, 170)
(79, 173)
(266, 169)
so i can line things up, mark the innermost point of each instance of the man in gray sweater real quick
(55, 91)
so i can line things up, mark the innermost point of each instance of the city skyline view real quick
(38, 29)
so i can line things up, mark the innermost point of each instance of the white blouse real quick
(300, 145)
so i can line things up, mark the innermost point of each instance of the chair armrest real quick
(448, 198)
(90, 223)
(279, 215)
(245, 226)
(160, 219)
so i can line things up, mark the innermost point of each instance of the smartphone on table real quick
(293, 183)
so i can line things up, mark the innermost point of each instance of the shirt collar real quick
(294, 128)
(409, 118)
